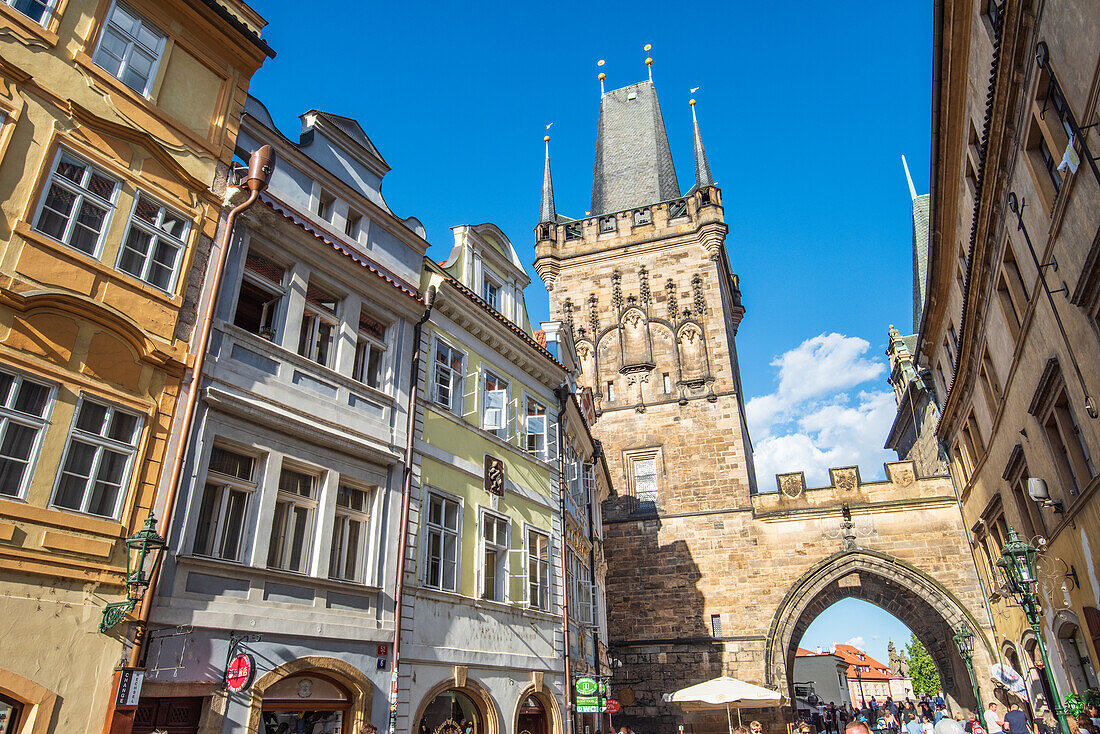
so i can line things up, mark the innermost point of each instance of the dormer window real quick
(319, 325)
(351, 225)
(490, 290)
(326, 203)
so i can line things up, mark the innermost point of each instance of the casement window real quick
(77, 204)
(24, 410)
(370, 349)
(320, 323)
(223, 514)
(353, 224)
(447, 381)
(1048, 134)
(990, 383)
(579, 580)
(538, 569)
(494, 417)
(1012, 292)
(350, 533)
(536, 428)
(326, 205)
(292, 527)
(1051, 406)
(494, 557)
(588, 481)
(1032, 522)
(99, 457)
(441, 569)
(130, 49)
(491, 290)
(36, 10)
(995, 535)
(154, 243)
(260, 295)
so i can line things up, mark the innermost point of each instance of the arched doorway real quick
(1037, 683)
(532, 718)
(1080, 675)
(453, 711)
(919, 602)
(306, 702)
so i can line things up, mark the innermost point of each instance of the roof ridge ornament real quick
(649, 61)
(601, 76)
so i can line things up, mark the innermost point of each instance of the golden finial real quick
(601, 76)
(546, 138)
(649, 60)
(691, 102)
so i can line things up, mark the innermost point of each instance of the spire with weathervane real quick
(702, 168)
(546, 209)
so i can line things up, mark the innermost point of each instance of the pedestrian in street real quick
(993, 722)
(1094, 714)
(755, 727)
(946, 725)
(857, 727)
(1084, 723)
(973, 726)
(1016, 721)
(369, 729)
(926, 725)
(912, 724)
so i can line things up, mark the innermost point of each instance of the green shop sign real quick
(590, 704)
(585, 687)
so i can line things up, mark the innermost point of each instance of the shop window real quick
(154, 243)
(1051, 407)
(370, 350)
(24, 411)
(538, 569)
(260, 295)
(98, 459)
(227, 495)
(447, 381)
(39, 12)
(441, 571)
(292, 526)
(320, 322)
(494, 417)
(452, 712)
(350, 533)
(1012, 292)
(130, 49)
(494, 557)
(77, 204)
(306, 703)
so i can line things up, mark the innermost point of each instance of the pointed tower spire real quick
(702, 168)
(546, 210)
(912, 188)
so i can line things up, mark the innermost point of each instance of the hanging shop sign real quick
(590, 704)
(585, 686)
(613, 706)
(129, 688)
(238, 674)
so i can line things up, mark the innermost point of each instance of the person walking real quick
(927, 726)
(1016, 721)
(993, 722)
(912, 724)
(973, 726)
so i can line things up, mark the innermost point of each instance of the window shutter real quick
(551, 436)
(496, 403)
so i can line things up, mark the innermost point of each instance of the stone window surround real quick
(503, 567)
(641, 454)
(426, 492)
(1053, 410)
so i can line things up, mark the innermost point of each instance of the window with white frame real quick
(588, 481)
(99, 457)
(449, 363)
(260, 295)
(643, 471)
(77, 204)
(36, 10)
(370, 349)
(319, 325)
(130, 48)
(538, 569)
(491, 289)
(536, 428)
(24, 408)
(223, 514)
(350, 533)
(494, 557)
(154, 243)
(494, 417)
(580, 588)
(326, 205)
(441, 570)
(292, 526)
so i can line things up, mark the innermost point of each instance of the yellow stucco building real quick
(117, 130)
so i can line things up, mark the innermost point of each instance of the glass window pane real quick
(71, 170)
(35, 9)
(122, 427)
(6, 381)
(204, 527)
(101, 186)
(233, 527)
(32, 398)
(352, 551)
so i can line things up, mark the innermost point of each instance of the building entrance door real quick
(172, 715)
(307, 704)
(532, 717)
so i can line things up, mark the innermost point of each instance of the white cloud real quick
(858, 642)
(810, 423)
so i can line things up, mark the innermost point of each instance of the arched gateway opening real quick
(918, 601)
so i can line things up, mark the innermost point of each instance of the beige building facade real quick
(117, 125)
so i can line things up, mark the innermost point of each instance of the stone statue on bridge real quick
(899, 663)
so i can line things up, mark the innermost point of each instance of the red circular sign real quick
(238, 674)
(613, 706)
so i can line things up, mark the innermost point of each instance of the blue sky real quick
(805, 110)
(855, 622)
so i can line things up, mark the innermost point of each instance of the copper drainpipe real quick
(568, 684)
(406, 497)
(260, 166)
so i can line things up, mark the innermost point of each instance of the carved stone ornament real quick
(845, 479)
(690, 333)
(791, 485)
(904, 477)
(633, 319)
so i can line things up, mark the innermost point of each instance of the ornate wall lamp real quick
(964, 640)
(144, 550)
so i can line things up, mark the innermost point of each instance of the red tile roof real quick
(854, 656)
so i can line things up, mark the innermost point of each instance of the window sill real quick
(453, 597)
(146, 104)
(244, 570)
(40, 36)
(117, 277)
(488, 435)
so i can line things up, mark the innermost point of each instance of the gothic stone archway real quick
(920, 602)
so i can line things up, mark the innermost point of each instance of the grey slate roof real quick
(546, 209)
(920, 256)
(702, 168)
(633, 162)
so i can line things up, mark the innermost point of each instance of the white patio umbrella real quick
(726, 692)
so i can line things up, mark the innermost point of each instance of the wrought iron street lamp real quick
(1017, 566)
(144, 550)
(964, 640)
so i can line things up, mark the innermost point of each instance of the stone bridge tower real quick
(706, 575)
